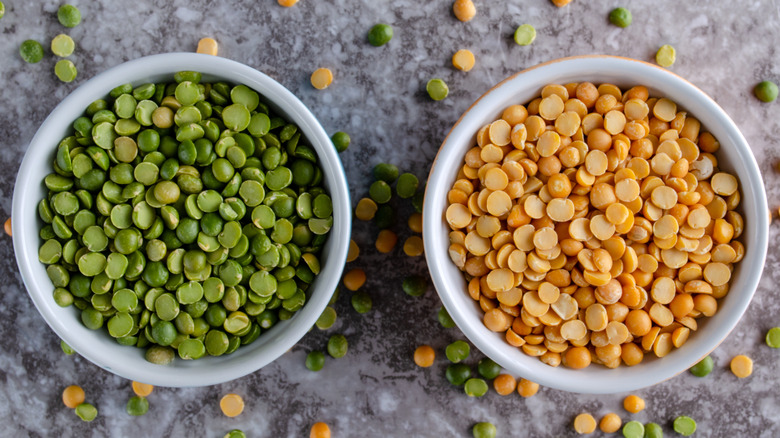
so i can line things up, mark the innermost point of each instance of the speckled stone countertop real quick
(378, 96)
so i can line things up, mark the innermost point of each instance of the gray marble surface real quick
(378, 96)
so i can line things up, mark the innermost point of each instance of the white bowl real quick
(97, 346)
(735, 156)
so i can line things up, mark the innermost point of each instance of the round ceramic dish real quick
(735, 156)
(97, 346)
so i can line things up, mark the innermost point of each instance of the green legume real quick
(407, 185)
(653, 430)
(385, 172)
(380, 34)
(525, 34)
(67, 349)
(457, 373)
(380, 192)
(340, 141)
(62, 45)
(484, 430)
(65, 70)
(337, 346)
(620, 17)
(415, 285)
(476, 387)
(2, 9)
(361, 301)
(326, 319)
(69, 16)
(766, 91)
(437, 89)
(86, 412)
(137, 406)
(684, 425)
(488, 369)
(457, 351)
(703, 367)
(235, 433)
(315, 360)
(31, 51)
(773, 337)
(444, 318)
(633, 429)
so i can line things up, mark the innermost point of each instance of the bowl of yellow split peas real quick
(595, 224)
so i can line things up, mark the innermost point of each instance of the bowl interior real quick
(734, 156)
(97, 346)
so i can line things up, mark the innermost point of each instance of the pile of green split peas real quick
(183, 217)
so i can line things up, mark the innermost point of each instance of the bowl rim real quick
(493, 345)
(208, 370)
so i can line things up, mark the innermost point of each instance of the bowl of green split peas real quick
(181, 220)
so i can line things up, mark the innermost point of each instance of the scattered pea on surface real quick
(610, 423)
(525, 34)
(355, 279)
(415, 222)
(65, 70)
(684, 425)
(337, 346)
(385, 172)
(444, 318)
(633, 403)
(766, 91)
(232, 405)
(463, 60)
(380, 34)
(319, 429)
(69, 15)
(7, 227)
(584, 424)
(457, 351)
(31, 51)
(361, 301)
(505, 384)
(385, 241)
(380, 192)
(354, 251)
(207, 46)
(413, 246)
(773, 337)
(561, 3)
(666, 56)
(653, 430)
(484, 430)
(2, 10)
(235, 433)
(326, 319)
(527, 388)
(437, 89)
(464, 10)
(321, 78)
(620, 17)
(407, 185)
(703, 367)
(742, 366)
(72, 396)
(62, 45)
(315, 360)
(366, 209)
(86, 412)
(340, 141)
(475, 387)
(137, 406)
(488, 369)
(457, 373)
(142, 389)
(633, 429)
(415, 285)
(424, 356)
(287, 3)
(67, 349)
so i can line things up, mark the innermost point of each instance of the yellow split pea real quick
(463, 60)
(321, 78)
(594, 225)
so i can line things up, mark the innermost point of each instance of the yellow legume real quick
(207, 46)
(415, 222)
(354, 251)
(142, 389)
(321, 78)
(366, 209)
(232, 405)
(7, 227)
(463, 60)
(584, 424)
(424, 356)
(464, 10)
(385, 241)
(527, 388)
(73, 396)
(742, 366)
(633, 403)
(610, 423)
(354, 279)
(413, 246)
(287, 3)
(318, 430)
